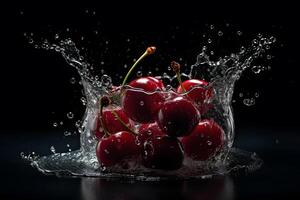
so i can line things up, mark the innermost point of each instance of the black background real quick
(36, 92)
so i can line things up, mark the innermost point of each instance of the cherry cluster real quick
(170, 124)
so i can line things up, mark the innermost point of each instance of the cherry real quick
(199, 92)
(177, 117)
(142, 102)
(148, 130)
(162, 152)
(116, 148)
(206, 139)
(111, 122)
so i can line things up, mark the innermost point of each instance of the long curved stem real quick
(149, 51)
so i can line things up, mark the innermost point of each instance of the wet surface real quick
(277, 179)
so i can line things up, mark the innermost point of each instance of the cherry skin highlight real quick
(116, 148)
(177, 117)
(148, 130)
(206, 139)
(162, 152)
(142, 102)
(111, 123)
(199, 92)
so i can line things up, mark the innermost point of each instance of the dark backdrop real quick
(35, 83)
(36, 89)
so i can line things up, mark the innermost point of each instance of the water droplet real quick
(242, 50)
(169, 87)
(209, 143)
(139, 74)
(56, 36)
(67, 29)
(106, 151)
(83, 101)
(30, 41)
(125, 66)
(68, 145)
(269, 57)
(212, 27)
(241, 94)
(259, 35)
(212, 53)
(82, 38)
(67, 133)
(72, 80)
(22, 154)
(256, 94)
(220, 33)
(239, 33)
(61, 123)
(52, 149)
(106, 80)
(256, 69)
(102, 62)
(21, 12)
(249, 102)
(78, 123)
(209, 40)
(142, 103)
(55, 124)
(255, 41)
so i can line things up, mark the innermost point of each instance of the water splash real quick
(222, 75)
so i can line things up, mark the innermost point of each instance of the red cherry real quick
(162, 152)
(199, 92)
(148, 130)
(142, 102)
(116, 148)
(111, 123)
(206, 139)
(177, 117)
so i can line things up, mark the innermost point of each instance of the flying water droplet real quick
(67, 133)
(72, 80)
(52, 149)
(70, 115)
(139, 74)
(239, 33)
(249, 101)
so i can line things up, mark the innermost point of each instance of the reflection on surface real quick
(207, 189)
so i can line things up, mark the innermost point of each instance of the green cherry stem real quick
(149, 51)
(122, 122)
(176, 68)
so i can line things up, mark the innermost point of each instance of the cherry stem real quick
(122, 122)
(149, 51)
(106, 133)
(176, 68)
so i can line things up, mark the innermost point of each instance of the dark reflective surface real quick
(277, 179)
